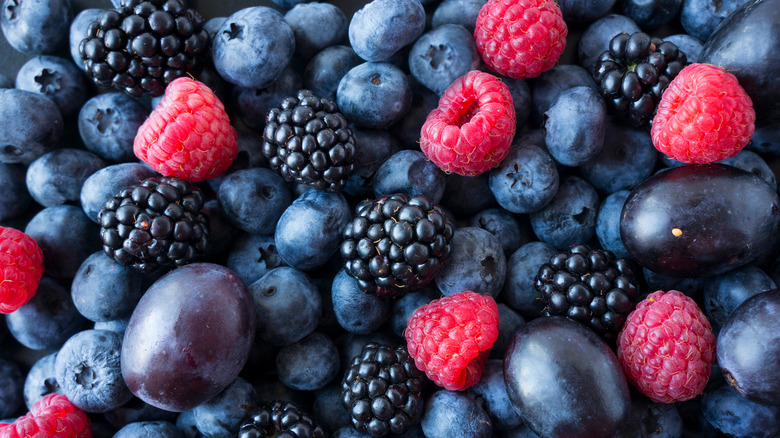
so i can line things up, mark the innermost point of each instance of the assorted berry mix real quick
(396, 244)
(424, 218)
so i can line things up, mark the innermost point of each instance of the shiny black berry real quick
(280, 418)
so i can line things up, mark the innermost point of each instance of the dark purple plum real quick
(188, 337)
(697, 220)
(748, 348)
(565, 381)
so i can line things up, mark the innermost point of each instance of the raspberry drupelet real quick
(54, 416)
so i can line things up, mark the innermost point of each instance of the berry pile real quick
(426, 218)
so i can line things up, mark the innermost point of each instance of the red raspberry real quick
(21, 268)
(520, 38)
(704, 116)
(54, 416)
(450, 338)
(188, 135)
(471, 130)
(667, 347)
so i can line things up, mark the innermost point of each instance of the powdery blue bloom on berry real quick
(382, 27)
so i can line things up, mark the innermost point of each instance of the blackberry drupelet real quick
(382, 390)
(281, 419)
(306, 139)
(157, 223)
(142, 46)
(396, 244)
(633, 74)
(591, 286)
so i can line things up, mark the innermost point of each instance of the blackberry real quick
(396, 244)
(142, 46)
(382, 390)
(157, 223)
(306, 139)
(633, 74)
(591, 286)
(280, 419)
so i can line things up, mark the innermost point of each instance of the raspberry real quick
(188, 135)
(667, 347)
(471, 130)
(54, 416)
(21, 268)
(704, 116)
(450, 338)
(520, 38)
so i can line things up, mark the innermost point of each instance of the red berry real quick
(54, 416)
(667, 347)
(520, 38)
(450, 338)
(471, 130)
(21, 268)
(188, 135)
(704, 116)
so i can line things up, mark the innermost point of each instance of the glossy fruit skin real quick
(693, 220)
(564, 380)
(188, 337)
(748, 348)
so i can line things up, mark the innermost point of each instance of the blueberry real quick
(5, 81)
(212, 25)
(35, 27)
(14, 198)
(316, 26)
(374, 94)
(108, 124)
(104, 290)
(608, 223)
(66, 237)
(326, 68)
(724, 292)
(308, 364)
(250, 154)
(223, 414)
(114, 325)
(253, 47)
(254, 199)
(252, 256)
(109, 181)
(55, 78)
(329, 408)
(467, 194)
(509, 321)
(41, 380)
(382, 27)
(627, 158)
(687, 285)
(519, 292)
(47, 320)
(575, 126)
(699, 18)
(351, 344)
(521, 98)
(553, 82)
(689, 45)
(570, 218)
(766, 140)
(411, 173)
(356, 311)
(501, 224)
(135, 411)
(477, 263)
(58, 176)
(584, 11)
(253, 104)
(651, 419)
(287, 4)
(492, 390)
(651, 14)
(309, 231)
(34, 125)
(288, 306)
(373, 147)
(450, 414)
(11, 388)
(596, 37)
(403, 307)
(149, 429)
(407, 130)
(526, 180)
(462, 12)
(753, 163)
(442, 55)
(737, 416)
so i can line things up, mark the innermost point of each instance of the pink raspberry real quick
(188, 135)
(520, 38)
(450, 338)
(54, 416)
(471, 130)
(667, 347)
(704, 116)
(21, 268)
